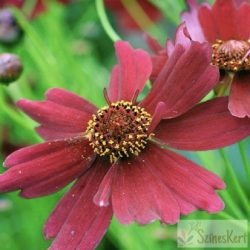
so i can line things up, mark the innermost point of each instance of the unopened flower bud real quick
(10, 68)
(10, 32)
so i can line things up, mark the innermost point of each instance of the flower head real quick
(115, 153)
(118, 130)
(226, 26)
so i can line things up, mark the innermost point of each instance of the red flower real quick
(40, 5)
(126, 21)
(161, 54)
(226, 26)
(115, 153)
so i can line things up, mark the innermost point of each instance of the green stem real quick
(231, 205)
(235, 181)
(222, 87)
(105, 22)
(244, 158)
(140, 17)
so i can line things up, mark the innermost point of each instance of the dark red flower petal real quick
(207, 126)
(114, 84)
(227, 27)
(185, 206)
(239, 98)
(192, 21)
(138, 195)
(39, 165)
(158, 62)
(102, 196)
(216, 23)
(159, 59)
(131, 74)
(209, 177)
(208, 23)
(157, 116)
(70, 100)
(223, 20)
(56, 182)
(53, 133)
(64, 207)
(184, 80)
(97, 230)
(186, 179)
(76, 222)
(243, 23)
(181, 37)
(56, 114)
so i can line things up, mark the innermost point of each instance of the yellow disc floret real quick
(118, 130)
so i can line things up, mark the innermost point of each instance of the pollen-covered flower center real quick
(119, 130)
(231, 55)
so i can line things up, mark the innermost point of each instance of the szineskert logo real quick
(212, 233)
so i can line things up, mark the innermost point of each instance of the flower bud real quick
(10, 32)
(10, 68)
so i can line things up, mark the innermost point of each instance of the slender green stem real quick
(221, 89)
(244, 158)
(140, 17)
(231, 205)
(105, 22)
(235, 180)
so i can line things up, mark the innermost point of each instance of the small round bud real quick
(10, 68)
(10, 32)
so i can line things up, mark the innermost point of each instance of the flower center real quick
(231, 55)
(119, 130)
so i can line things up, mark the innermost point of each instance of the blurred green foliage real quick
(67, 47)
